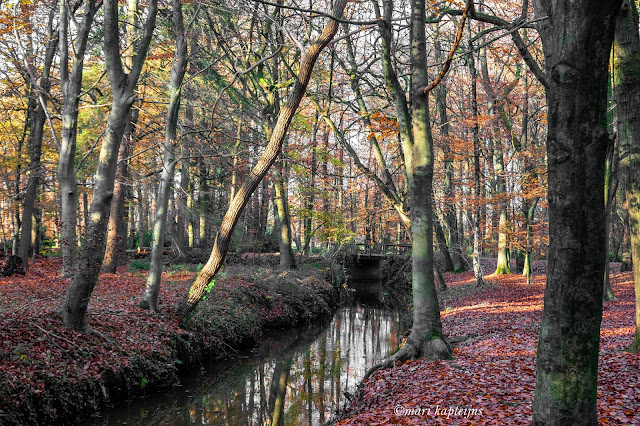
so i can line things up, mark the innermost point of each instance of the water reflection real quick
(295, 378)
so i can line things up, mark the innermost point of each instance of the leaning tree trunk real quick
(626, 90)
(576, 41)
(269, 155)
(122, 86)
(150, 298)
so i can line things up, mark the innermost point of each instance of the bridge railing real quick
(379, 249)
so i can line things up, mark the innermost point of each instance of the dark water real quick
(298, 376)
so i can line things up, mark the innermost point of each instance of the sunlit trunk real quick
(269, 155)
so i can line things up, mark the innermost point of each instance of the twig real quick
(64, 339)
(447, 63)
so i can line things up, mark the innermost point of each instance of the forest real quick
(184, 181)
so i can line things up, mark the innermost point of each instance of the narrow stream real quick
(297, 376)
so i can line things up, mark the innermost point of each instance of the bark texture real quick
(71, 83)
(123, 87)
(576, 39)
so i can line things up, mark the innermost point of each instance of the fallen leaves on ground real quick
(491, 379)
(50, 374)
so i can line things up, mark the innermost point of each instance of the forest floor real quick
(49, 374)
(491, 378)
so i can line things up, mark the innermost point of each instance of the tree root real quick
(431, 349)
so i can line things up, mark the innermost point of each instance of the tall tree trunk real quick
(117, 220)
(449, 204)
(626, 90)
(183, 213)
(477, 250)
(425, 339)
(310, 192)
(142, 217)
(269, 155)
(442, 247)
(576, 40)
(36, 132)
(527, 269)
(203, 203)
(71, 83)
(150, 297)
(123, 87)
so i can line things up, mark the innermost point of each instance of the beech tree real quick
(576, 39)
(71, 82)
(123, 86)
(150, 298)
(38, 112)
(117, 225)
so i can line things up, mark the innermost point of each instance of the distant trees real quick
(221, 245)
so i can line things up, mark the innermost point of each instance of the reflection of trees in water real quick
(300, 385)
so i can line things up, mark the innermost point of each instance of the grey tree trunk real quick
(71, 83)
(123, 87)
(269, 155)
(178, 70)
(576, 41)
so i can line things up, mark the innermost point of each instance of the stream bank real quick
(50, 375)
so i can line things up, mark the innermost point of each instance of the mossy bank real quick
(141, 352)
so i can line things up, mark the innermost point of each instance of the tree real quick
(39, 94)
(71, 83)
(123, 86)
(267, 158)
(576, 40)
(626, 91)
(116, 228)
(426, 338)
(178, 70)
(477, 267)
